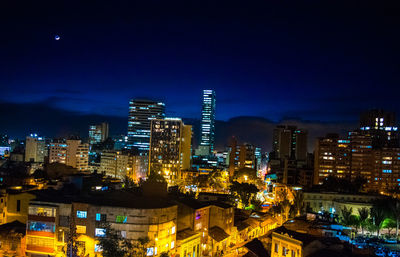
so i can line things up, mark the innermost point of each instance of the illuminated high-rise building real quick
(170, 147)
(141, 113)
(35, 148)
(381, 126)
(289, 142)
(242, 156)
(98, 133)
(206, 146)
(332, 157)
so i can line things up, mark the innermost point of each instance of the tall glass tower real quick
(141, 113)
(207, 124)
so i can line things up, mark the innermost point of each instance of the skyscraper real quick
(141, 113)
(289, 142)
(381, 126)
(98, 133)
(170, 147)
(206, 146)
(332, 157)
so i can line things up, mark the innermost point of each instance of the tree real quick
(378, 214)
(244, 191)
(285, 209)
(217, 181)
(138, 248)
(256, 204)
(155, 177)
(389, 224)
(345, 216)
(394, 207)
(363, 214)
(128, 182)
(298, 202)
(58, 170)
(112, 243)
(344, 185)
(72, 249)
(245, 175)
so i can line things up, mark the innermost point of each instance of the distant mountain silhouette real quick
(19, 120)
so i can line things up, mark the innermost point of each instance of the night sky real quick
(320, 61)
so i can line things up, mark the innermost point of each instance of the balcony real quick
(39, 249)
(41, 218)
(40, 233)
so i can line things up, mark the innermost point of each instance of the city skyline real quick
(199, 129)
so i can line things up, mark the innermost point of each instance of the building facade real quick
(35, 148)
(355, 157)
(141, 113)
(98, 133)
(332, 158)
(50, 221)
(289, 142)
(170, 148)
(381, 127)
(207, 140)
(72, 153)
(242, 156)
(335, 202)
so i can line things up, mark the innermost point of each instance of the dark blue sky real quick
(314, 60)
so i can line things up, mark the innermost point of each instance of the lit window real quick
(81, 214)
(121, 219)
(172, 244)
(80, 229)
(150, 251)
(100, 232)
(173, 230)
(97, 248)
(98, 216)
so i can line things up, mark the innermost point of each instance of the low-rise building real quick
(12, 239)
(333, 202)
(188, 243)
(14, 206)
(135, 217)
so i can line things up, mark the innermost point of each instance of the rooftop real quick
(184, 234)
(117, 198)
(217, 233)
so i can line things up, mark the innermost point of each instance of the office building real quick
(355, 157)
(35, 149)
(170, 147)
(72, 153)
(381, 126)
(114, 163)
(332, 158)
(289, 142)
(207, 140)
(141, 113)
(242, 156)
(58, 152)
(98, 133)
